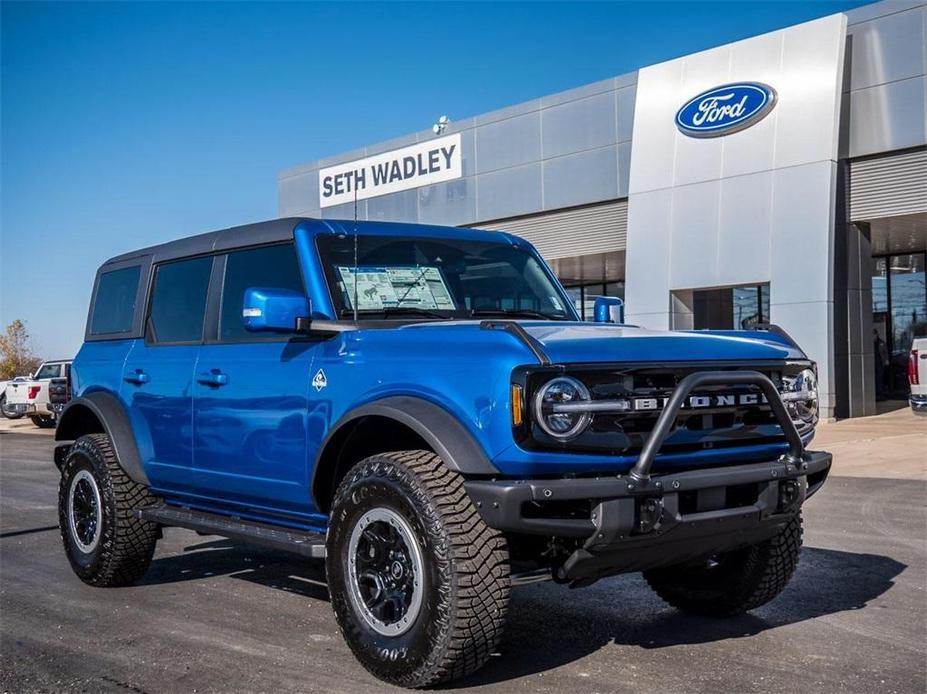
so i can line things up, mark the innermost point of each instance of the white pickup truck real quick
(917, 376)
(31, 397)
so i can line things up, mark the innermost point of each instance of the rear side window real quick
(270, 267)
(114, 307)
(178, 301)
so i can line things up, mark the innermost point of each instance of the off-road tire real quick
(43, 422)
(743, 579)
(6, 412)
(466, 570)
(126, 543)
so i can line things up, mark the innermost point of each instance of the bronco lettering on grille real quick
(649, 404)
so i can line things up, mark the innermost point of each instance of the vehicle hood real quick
(574, 342)
(591, 343)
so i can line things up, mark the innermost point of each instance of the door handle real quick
(213, 378)
(138, 377)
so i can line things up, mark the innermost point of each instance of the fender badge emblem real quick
(319, 381)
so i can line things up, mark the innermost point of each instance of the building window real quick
(899, 314)
(723, 308)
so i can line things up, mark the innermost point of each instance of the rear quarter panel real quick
(98, 366)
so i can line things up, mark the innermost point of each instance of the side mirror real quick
(608, 309)
(274, 310)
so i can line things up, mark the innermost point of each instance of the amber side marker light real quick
(517, 406)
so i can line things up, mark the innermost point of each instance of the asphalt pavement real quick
(216, 616)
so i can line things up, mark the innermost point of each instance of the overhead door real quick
(888, 185)
(571, 232)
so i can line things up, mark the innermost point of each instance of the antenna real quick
(354, 301)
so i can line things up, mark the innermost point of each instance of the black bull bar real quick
(703, 379)
(640, 521)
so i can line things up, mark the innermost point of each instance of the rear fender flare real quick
(111, 414)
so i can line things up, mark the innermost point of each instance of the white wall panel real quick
(752, 206)
(694, 236)
(801, 252)
(651, 216)
(809, 91)
(745, 227)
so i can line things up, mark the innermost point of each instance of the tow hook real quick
(789, 494)
(651, 511)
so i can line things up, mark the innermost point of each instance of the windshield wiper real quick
(395, 311)
(523, 312)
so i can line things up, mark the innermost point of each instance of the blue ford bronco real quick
(422, 407)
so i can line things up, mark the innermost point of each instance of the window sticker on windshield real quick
(417, 286)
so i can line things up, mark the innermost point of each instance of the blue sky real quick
(127, 124)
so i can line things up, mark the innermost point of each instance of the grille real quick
(713, 418)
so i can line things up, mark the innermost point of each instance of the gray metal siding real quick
(889, 185)
(885, 90)
(573, 148)
(578, 231)
(562, 151)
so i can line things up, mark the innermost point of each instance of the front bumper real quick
(918, 403)
(674, 518)
(642, 520)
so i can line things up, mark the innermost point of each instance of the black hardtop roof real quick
(281, 230)
(245, 235)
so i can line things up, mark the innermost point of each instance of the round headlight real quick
(800, 395)
(555, 408)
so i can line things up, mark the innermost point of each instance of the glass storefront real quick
(750, 306)
(899, 314)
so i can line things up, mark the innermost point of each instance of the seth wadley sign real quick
(418, 165)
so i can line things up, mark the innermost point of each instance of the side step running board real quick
(303, 542)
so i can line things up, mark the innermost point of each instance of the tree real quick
(16, 356)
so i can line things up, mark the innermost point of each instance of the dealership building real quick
(782, 178)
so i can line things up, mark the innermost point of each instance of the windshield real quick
(405, 277)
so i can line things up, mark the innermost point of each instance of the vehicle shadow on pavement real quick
(550, 626)
(223, 557)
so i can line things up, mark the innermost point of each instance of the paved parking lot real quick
(213, 615)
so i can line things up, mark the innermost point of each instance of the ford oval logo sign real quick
(725, 109)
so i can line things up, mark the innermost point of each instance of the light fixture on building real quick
(441, 125)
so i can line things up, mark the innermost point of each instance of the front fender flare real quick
(439, 428)
(115, 421)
